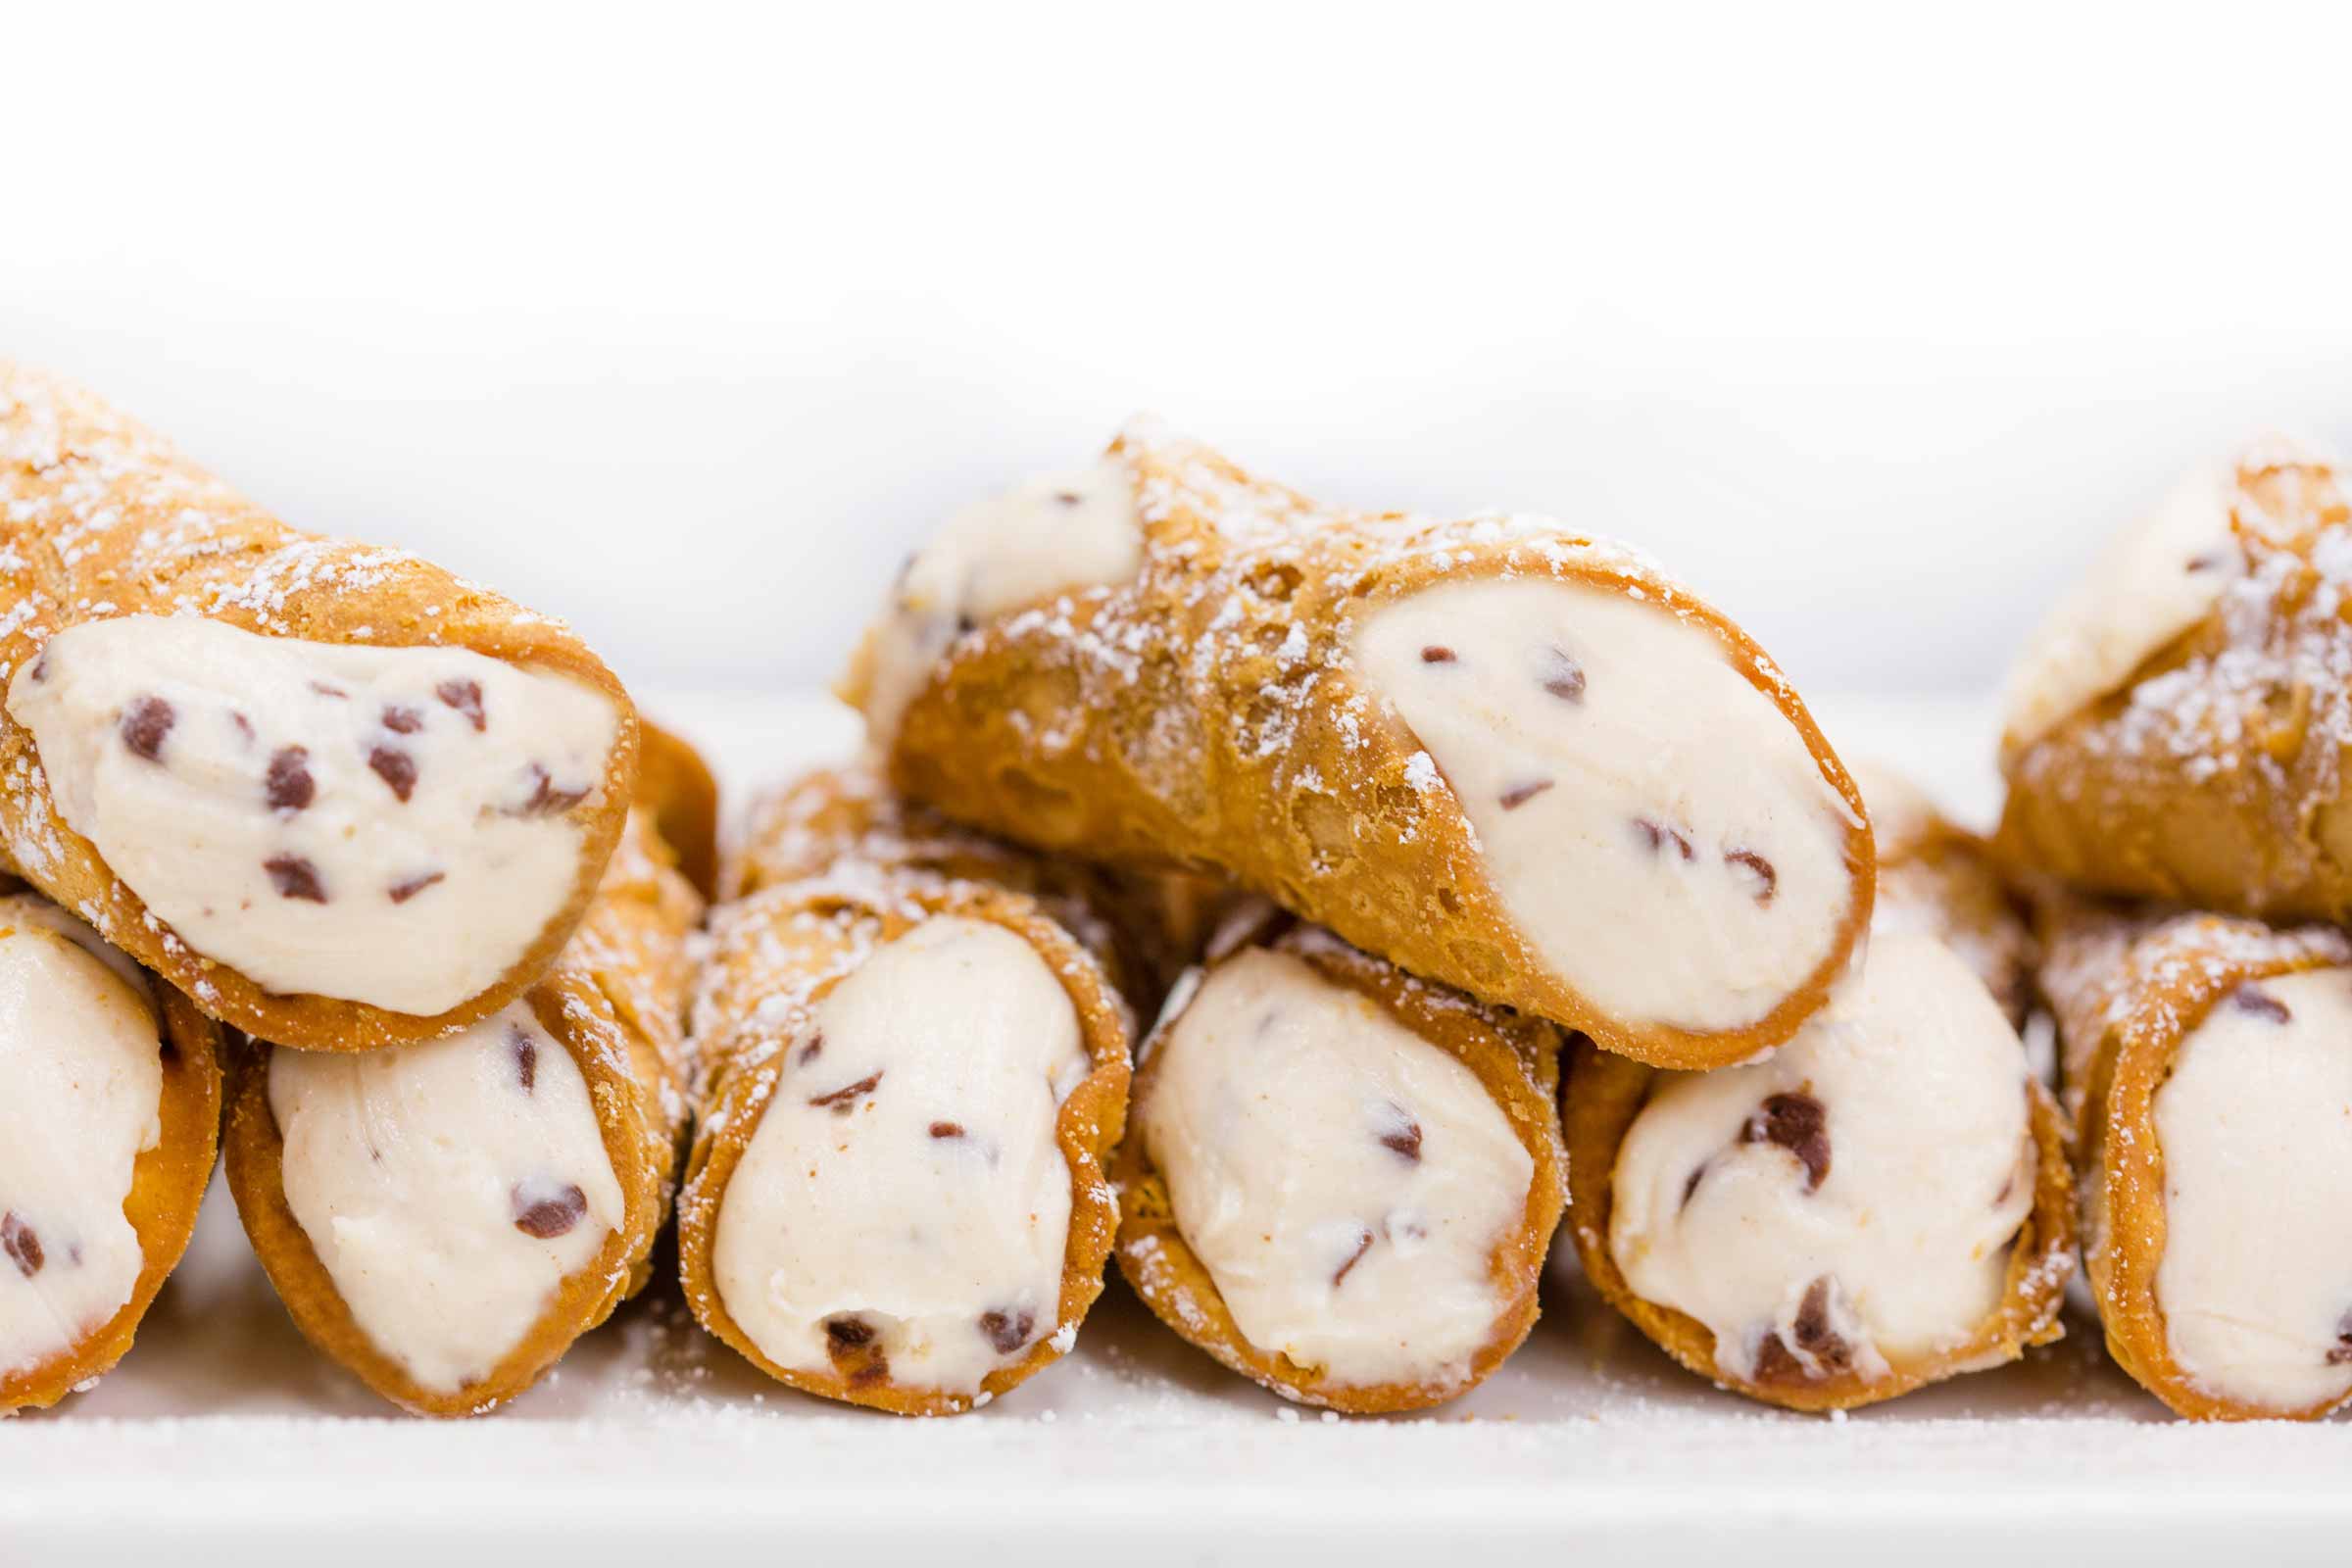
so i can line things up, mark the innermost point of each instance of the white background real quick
(686, 324)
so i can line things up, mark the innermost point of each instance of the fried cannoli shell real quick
(2129, 986)
(1096, 725)
(167, 1188)
(1601, 1095)
(616, 1000)
(778, 953)
(1515, 1058)
(105, 520)
(1938, 878)
(674, 784)
(2179, 732)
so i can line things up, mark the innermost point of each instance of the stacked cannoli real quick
(2175, 751)
(378, 823)
(1489, 782)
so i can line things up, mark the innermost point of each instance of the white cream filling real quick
(81, 1086)
(1051, 536)
(1886, 1150)
(383, 825)
(449, 1188)
(1654, 824)
(2152, 583)
(905, 1191)
(2256, 1127)
(1345, 1181)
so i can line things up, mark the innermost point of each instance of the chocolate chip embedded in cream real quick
(1798, 1123)
(1519, 795)
(1698, 1174)
(1657, 835)
(1363, 1245)
(848, 1333)
(407, 888)
(397, 768)
(403, 720)
(545, 799)
(2248, 998)
(289, 786)
(22, 1246)
(1814, 1335)
(1399, 1133)
(526, 1058)
(1008, 1332)
(145, 723)
(548, 1212)
(1436, 654)
(1563, 677)
(466, 696)
(295, 878)
(336, 693)
(947, 1129)
(1776, 1363)
(1768, 881)
(2340, 1353)
(839, 1098)
(815, 1049)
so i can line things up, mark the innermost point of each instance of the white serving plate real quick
(223, 1438)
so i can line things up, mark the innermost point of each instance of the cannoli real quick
(446, 1218)
(2178, 730)
(1339, 1181)
(914, 1070)
(1939, 879)
(110, 1107)
(2208, 1067)
(339, 797)
(1884, 1203)
(1499, 753)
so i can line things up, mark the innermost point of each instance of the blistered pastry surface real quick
(1211, 712)
(1848, 1204)
(1346, 1182)
(80, 1083)
(2256, 1280)
(1649, 819)
(904, 1191)
(448, 1188)
(385, 825)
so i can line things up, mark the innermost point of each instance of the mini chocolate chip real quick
(966, 625)
(1690, 1187)
(2206, 561)
(1403, 1135)
(1776, 1363)
(244, 724)
(1814, 1335)
(1565, 678)
(336, 692)
(40, 670)
(398, 769)
(849, 1333)
(1799, 1124)
(839, 1098)
(549, 1217)
(145, 723)
(1436, 654)
(296, 879)
(815, 1049)
(403, 891)
(1363, 1245)
(2246, 999)
(466, 696)
(1656, 835)
(290, 787)
(403, 720)
(1068, 497)
(545, 800)
(947, 1129)
(1520, 794)
(526, 1057)
(1765, 875)
(1008, 1332)
(22, 1246)
(2340, 1353)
